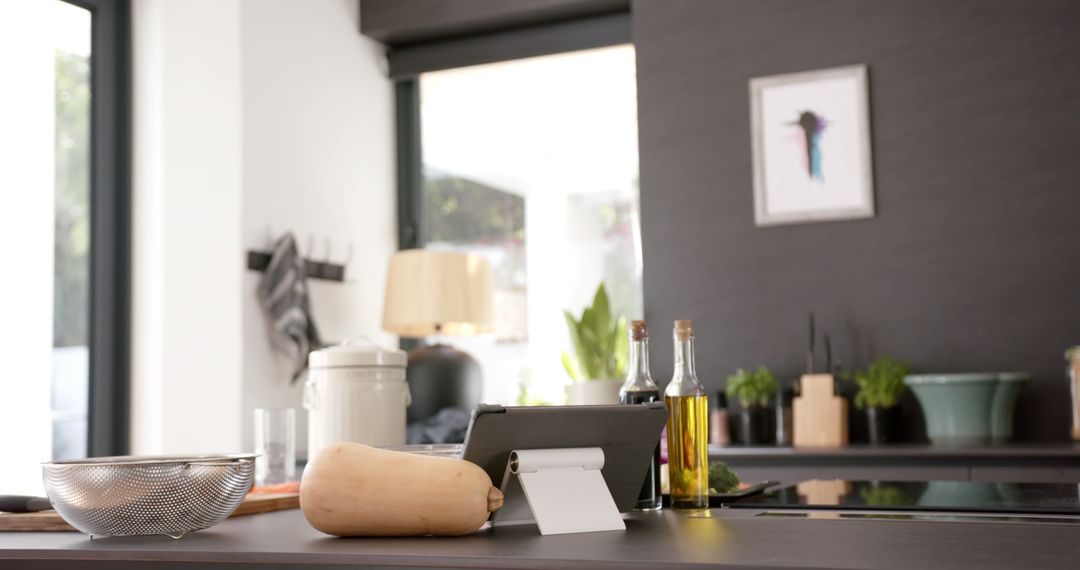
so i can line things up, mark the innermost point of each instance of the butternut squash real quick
(355, 490)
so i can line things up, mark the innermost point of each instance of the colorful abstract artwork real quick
(811, 146)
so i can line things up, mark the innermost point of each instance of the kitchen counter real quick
(1048, 463)
(718, 538)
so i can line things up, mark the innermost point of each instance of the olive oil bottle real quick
(687, 427)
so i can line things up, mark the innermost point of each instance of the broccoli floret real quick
(721, 478)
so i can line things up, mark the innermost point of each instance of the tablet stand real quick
(562, 490)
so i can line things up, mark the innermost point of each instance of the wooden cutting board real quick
(51, 521)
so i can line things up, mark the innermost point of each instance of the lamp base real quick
(441, 376)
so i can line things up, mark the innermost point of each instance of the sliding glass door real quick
(54, 167)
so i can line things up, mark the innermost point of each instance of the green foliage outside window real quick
(466, 211)
(72, 180)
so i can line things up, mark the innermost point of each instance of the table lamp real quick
(439, 293)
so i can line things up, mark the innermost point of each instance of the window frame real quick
(410, 164)
(412, 231)
(108, 407)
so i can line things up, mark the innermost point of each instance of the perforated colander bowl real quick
(124, 496)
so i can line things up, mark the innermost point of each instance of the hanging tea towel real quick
(283, 292)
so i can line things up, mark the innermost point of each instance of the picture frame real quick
(811, 147)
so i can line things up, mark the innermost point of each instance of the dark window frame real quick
(410, 164)
(108, 410)
(412, 231)
(520, 43)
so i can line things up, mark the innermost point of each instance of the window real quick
(64, 190)
(533, 163)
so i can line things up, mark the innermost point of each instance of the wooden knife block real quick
(820, 492)
(823, 492)
(820, 417)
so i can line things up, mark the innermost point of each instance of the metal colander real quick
(123, 496)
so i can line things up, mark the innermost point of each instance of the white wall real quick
(318, 161)
(251, 116)
(186, 211)
(26, 230)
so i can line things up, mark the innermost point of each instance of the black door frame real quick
(108, 413)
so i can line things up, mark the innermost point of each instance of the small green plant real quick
(752, 388)
(601, 345)
(882, 385)
(884, 495)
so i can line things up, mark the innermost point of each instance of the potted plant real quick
(601, 347)
(753, 390)
(880, 389)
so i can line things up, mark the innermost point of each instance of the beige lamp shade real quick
(432, 292)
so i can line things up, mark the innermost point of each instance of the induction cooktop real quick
(947, 496)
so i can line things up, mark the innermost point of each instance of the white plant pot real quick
(593, 392)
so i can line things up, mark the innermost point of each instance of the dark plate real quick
(721, 499)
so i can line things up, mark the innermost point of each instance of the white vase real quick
(593, 392)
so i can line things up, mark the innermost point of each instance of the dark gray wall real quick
(973, 260)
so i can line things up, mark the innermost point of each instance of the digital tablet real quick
(628, 435)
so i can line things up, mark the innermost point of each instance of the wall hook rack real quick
(325, 270)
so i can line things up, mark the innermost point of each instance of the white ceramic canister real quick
(356, 391)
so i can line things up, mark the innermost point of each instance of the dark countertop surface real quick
(1066, 451)
(717, 538)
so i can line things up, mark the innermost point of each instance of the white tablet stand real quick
(562, 490)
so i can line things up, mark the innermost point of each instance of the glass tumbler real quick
(275, 442)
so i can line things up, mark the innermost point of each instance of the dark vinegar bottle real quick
(640, 389)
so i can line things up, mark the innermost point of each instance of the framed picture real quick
(811, 146)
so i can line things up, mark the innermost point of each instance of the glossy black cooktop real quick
(953, 496)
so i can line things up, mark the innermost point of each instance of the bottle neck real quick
(637, 367)
(684, 359)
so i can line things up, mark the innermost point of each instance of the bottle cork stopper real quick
(638, 331)
(684, 329)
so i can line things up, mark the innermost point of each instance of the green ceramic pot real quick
(957, 407)
(1001, 416)
(960, 493)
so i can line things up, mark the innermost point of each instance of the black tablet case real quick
(628, 434)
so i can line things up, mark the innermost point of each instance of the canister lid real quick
(357, 352)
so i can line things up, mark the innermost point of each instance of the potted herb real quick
(754, 390)
(879, 494)
(601, 347)
(880, 389)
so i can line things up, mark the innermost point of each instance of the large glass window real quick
(45, 181)
(534, 163)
